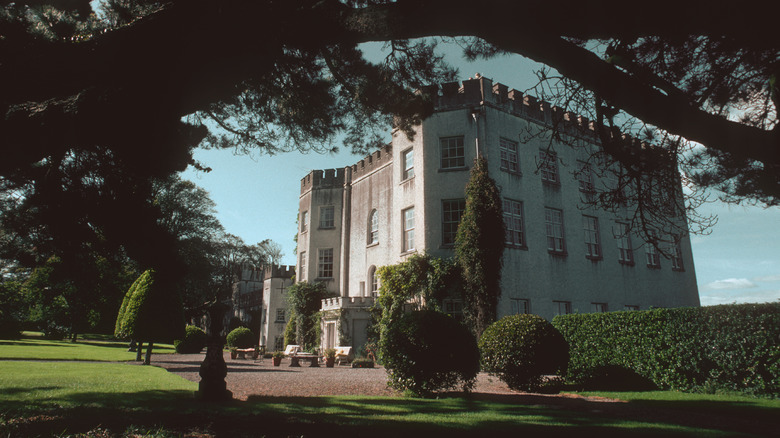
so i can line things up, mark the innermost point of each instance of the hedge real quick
(732, 347)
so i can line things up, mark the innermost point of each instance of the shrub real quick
(194, 341)
(363, 363)
(729, 347)
(428, 351)
(520, 349)
(241, 337)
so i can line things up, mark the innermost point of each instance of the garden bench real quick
(342, 354)
(242, 352)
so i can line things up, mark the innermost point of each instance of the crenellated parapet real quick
(480, 90)
(322, 179)
(372, 162)
(280, 271)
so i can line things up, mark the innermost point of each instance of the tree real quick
(151, 312)
(479, 248)
(304, 300)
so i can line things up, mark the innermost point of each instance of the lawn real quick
(52, 398)
(83, 350)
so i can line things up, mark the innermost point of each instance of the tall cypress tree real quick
(479, 248)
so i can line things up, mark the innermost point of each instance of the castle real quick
(561, 255)
(262, 293)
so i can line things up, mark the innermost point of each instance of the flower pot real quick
(277, 361)
(330, 361)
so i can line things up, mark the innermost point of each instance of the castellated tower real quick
(561, 255)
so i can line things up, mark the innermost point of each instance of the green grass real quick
(69, 398)
(42, 349)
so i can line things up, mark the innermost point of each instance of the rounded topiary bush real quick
(428, 351)
(520, 349)
(194, 341)
(241, 337)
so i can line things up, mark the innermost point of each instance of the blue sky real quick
(257, 199)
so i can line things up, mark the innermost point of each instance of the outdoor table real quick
(314, 358)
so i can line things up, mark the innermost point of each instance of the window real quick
(653, 258)
(373, 227)
(304, 221)
(408, 218)
(408, 163)
(326, 217)
(374, 279)
(553, 220)
(509, 159)
(278, 343)
(280, 315)
(325, 268)
(303, 265)
(520, 306)
(598, 307)
(562, 307)
(590, 226)
(585, 181)
(631, 307)
(451, 212)
(676, 253)
(623, 238)
(452, 155)
(513, 220)
(548, 165)
(454, 308)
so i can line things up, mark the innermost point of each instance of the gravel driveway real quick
(248, 377)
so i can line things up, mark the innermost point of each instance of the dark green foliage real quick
(194, 341)
(362, 363)
(12, 309)
(479, 248)
(304, 301)
(520, 349)
(151, 311)
(427, 351)
(241, 337)
(730, 347)
(289, 332)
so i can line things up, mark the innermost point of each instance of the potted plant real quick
(256, 353)
(277, 358)
(330, 357)
(233, 352)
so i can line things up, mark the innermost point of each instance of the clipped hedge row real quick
(734, 347)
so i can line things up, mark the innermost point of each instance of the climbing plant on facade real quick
(479, 248)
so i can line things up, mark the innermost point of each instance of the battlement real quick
(482, 91)
(280, 271)
(336, 303)
(372, 162)
(322, 179)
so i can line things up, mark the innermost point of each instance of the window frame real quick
(624, 246)
(548, 167)
(599, 307)
(408, 244)
(323, 263)
(302, 264)
(407, 164)
(449, 228)
(458, 159)
(512, 218)
(280, 312)
(506, 154)
(516, 306)
(373, 227)
(327, 217)
(551, 226)
(304, 221)
(592, 234)
(675, 254)
(567, 308)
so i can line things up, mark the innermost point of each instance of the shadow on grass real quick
(475, 414)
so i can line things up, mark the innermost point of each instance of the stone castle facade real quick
(561, 256)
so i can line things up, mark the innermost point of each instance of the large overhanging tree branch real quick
(128, 88)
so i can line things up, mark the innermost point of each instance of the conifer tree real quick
(479, 248)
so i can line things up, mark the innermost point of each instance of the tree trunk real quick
(139, 351)
(148, 358)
